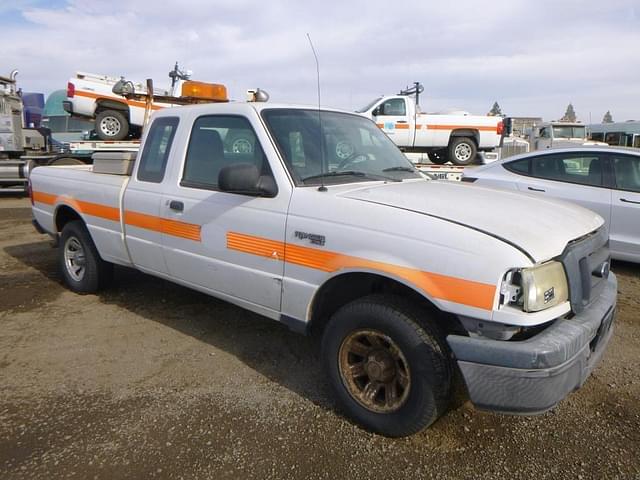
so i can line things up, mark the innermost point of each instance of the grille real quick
(583, 259)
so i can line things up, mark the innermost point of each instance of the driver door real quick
(392, 117)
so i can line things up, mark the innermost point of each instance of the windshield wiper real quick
(399, 169)
(350, 173)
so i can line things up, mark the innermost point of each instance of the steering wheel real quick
(355, 158)
(347, 154)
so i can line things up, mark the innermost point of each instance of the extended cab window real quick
(627, 172)
(153, 161)
(218, 141)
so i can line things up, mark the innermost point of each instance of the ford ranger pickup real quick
(409, 283)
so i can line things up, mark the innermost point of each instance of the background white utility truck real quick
(121, 115)
(456, 137)
(405, 280)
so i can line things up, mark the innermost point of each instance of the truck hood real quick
(539, 227)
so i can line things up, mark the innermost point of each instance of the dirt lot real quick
(149, 379)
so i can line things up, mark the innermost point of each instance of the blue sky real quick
(532, 57)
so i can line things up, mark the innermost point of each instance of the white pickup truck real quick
(405, 280)
(456, 137)
(118, 117)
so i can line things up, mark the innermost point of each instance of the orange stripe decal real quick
(133, 103)
(167, 226)
(175, 228)
(458, 290)
(255, 245)
(88, 208)
(484, 128)
(402, 126)
(45, 198)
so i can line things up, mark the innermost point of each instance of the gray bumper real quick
(533, 375)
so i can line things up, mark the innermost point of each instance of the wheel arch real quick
(64, 214)
(109, 104)
(466, 132)
(349, 286)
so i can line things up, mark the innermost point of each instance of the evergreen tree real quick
(495, 111)
(569, 115)
(607, 117)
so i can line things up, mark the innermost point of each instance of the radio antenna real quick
(322, 159)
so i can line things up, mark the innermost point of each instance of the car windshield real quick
(368, 106)
(569, 132)
(332, 147)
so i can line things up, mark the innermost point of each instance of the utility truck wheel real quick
(82, 268)
(462, 151)
(439, 157)
(390, 373)
(111, 125)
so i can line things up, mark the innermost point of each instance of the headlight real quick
(537, 288)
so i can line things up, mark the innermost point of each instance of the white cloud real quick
(533, 57)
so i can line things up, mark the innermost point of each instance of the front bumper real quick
(533, 375)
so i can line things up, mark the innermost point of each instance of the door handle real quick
(629, 201)
(176, 205)
(535, 189)
(401, 121)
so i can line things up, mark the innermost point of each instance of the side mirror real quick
(375, 112)
(245, 179)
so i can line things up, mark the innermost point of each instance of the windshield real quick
(353, 147)
(569, 132)
(369, 105)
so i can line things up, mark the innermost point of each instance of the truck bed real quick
(95, 196)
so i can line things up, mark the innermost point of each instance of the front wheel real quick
(82, 268)
(438, 157)
(390, 373)
(462, 151)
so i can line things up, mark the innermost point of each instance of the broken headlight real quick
(536, 288)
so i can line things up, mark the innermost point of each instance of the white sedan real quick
(605, 180)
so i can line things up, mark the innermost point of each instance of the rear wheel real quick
(111, 125)
(390, 373)
(462, 151)
(82, 268)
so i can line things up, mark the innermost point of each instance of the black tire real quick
(428, 364)
(439, 157)
(111, 125)
(82, 268)
(462, 151)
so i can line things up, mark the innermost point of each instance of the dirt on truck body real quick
(149, 379)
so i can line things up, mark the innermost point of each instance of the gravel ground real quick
(151, 380)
